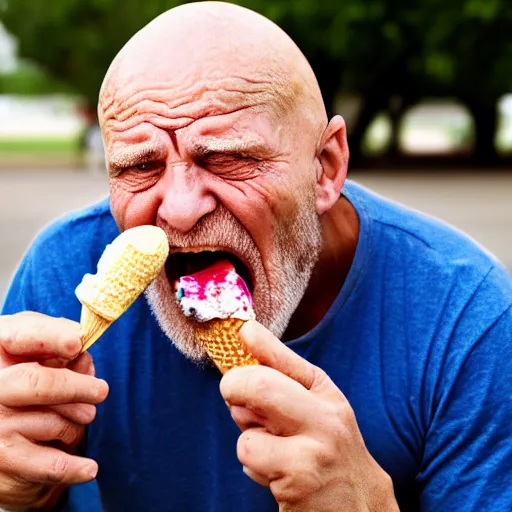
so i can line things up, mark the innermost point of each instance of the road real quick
(479, 204)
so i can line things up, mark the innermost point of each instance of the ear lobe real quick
(332, 162)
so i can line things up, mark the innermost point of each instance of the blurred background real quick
(425, 87)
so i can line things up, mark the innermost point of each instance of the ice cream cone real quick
(221, 342)
(125, 269)
(92, 326)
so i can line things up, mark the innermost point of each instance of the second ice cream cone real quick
(221, 342)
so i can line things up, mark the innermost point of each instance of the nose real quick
(185, 198)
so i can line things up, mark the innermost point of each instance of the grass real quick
(38, 146)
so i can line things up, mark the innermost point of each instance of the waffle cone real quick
(92, 326)
(221, 342)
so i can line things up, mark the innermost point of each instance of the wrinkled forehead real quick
(177, 102)
(184, 78)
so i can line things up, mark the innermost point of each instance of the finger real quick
(39, 336)
(81, 364)
(245, 418)
(259, 479)
(282, 404)
(42, 426)
(81, 414)
(30, 384)
(267, 455)
(47, 465)
(272, 352)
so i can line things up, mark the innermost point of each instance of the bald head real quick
(207, 56)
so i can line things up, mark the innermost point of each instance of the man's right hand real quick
(47, 397)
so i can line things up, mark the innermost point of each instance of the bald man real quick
(384, 336)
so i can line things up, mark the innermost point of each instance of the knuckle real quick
(320, 379)
(39, 382)
(57, 470)
(7, 449)
(5, 330)
(64, 431)
(323, 456)
(13, 328)
(259, 385)
(286, 491)
(17, 376)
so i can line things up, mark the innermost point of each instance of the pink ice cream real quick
(215, 292)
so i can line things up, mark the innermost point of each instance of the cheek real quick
(261, 206)
(273, 203)
(132, 209)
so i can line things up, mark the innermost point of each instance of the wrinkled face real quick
(226, 176)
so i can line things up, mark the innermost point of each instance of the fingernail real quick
(90, 471)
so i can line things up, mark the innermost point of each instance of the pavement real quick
(478, 203)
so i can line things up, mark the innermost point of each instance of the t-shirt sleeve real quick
(19, 295)
(467, 460)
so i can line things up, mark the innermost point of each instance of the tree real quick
(391, 53)
(75, 40)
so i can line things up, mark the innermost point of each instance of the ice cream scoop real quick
(219, 301)
(126, 268)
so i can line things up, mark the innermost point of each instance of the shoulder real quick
(57, 260)
(434, 284)
(425, 251)
(76, 231)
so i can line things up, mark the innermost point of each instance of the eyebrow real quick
(131, 156)
(253, 146)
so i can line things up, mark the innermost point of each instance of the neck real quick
(340, 228)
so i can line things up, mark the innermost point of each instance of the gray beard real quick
(280, 284)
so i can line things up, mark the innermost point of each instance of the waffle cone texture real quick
(126, 268)
(220, 340)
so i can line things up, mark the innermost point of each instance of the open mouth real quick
(189, 262)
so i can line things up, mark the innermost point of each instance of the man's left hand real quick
(299, 434)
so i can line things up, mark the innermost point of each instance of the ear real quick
(332, 164)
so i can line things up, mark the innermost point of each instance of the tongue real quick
(215, 273)
(214, 292)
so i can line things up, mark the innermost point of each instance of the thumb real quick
(272, 352)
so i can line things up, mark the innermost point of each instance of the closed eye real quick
(232, 167)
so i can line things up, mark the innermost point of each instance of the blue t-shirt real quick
(419, 340)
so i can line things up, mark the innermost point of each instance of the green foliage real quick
(28, 79)
(359, 45)
(75, 40)
(379, 49)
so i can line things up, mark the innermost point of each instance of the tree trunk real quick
(395, 112)
(485, 118)
(370, 107)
